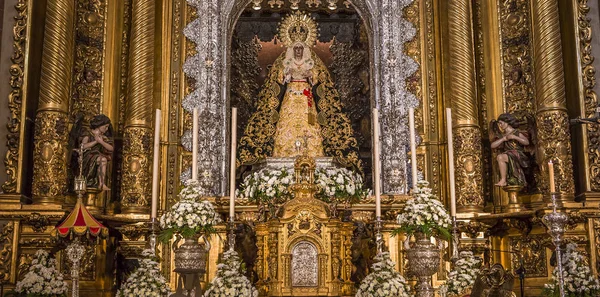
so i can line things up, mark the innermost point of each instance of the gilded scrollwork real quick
(272, 272)
(134, 232)
(467, 143)
(124, 58)
(486, 156)
(6, 252)
(554, 143)
(530, 253)
(517, 63)
(15, 97)
(50, 140)
(136, 185)
(89, 57)
(596, 240)
(38, 222)
(591, 102)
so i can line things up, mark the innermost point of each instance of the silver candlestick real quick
(231, 239)
(455, 240)
(556, 222)
(378, 235)
(153, 235)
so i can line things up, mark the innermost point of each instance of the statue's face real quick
(103, 128)
(503, 125)
(298, 52)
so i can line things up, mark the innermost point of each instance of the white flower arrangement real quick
(579, 281)
(384, 281)
(230, 280)
(42, 279)
(267, 185)
(339, 183)
(146, 280)
(271, 185)
(462, 277)
(424, 213)
(189, 216)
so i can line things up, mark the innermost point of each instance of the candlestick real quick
(232, 163)
(451, 162)
(195, 144)
(376, 162)
(551, 176)
(413, 146)
(155, 163)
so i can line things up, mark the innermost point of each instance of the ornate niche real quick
(304, 254)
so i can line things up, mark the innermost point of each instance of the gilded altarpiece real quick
(101, 77)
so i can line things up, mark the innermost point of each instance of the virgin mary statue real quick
(298, 108)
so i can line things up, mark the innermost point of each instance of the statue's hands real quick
(98, 137)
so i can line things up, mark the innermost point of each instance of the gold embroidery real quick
(294, 123)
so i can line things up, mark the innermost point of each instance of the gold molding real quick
(554, 139)
(587, 79)
(17, 99)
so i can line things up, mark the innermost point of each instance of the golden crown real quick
(298, 27)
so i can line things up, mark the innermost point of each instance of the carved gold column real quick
(463, 97)
(554, 139)
(137, 139)
(51, 121)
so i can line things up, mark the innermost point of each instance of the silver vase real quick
(190, 257)
(423, 261)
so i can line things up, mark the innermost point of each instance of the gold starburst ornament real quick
(298, 27)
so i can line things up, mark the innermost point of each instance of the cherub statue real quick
(511, 142)
(494, 282)
(97, 144)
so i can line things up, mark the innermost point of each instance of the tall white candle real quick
(376, 163)
(451, 162)
(195, 144)
(413, 146)
(232, 164)
(155, 167)
(551, 176)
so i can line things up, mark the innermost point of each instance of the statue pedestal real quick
(278, 163)
(514, 204)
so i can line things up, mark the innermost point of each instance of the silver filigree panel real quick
(305, 270)
(205, 68)
(211, 32)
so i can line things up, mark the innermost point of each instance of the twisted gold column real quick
(554, 139)
(463, 85)
(51, 121)
(137, 138)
